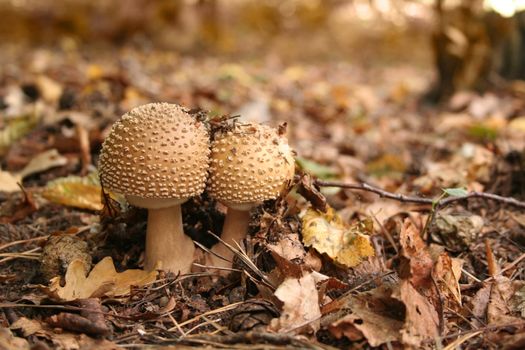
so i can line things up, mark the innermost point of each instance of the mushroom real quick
(250, 163)
(157, 155)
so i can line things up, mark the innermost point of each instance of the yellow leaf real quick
(103, 280)
(518, 124)
(15, 129)
(75, 191)
(329, 234)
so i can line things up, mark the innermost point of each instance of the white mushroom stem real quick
(235, 228)
(166, 242)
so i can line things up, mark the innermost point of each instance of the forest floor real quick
(440, 269)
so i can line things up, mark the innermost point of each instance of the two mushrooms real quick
(159, 156)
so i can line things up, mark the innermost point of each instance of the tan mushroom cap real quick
(249, 164)
(156, 151)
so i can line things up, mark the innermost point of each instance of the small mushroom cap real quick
(250, 163)
(156, 151)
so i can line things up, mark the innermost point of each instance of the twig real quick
(508, 267)
(30, 255)
(212, 312)
(63, 307)
(439, 203)
(252, 337)
(22, 241)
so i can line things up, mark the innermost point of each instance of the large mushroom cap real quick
(156, 151)
(249, 164)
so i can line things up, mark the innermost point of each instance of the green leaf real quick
(318, 170)
(456, 191)
(15, 129)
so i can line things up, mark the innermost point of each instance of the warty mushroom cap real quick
(157, 155)
(250, 163)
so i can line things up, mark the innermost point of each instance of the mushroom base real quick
(167, 247)
(234, 229)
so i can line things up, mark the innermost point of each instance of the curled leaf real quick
(329, 234)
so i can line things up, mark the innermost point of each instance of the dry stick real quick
(63, 307)
(420, 200)
(22, 241)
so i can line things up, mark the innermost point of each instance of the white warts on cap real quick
(249, 164)
(157, 150)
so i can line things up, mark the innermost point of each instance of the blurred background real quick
(367, 87)
(464, 41)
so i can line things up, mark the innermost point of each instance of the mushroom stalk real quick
(235, 228)
(166, 241)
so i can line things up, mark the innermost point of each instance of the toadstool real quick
(157, 155)
(250, 163)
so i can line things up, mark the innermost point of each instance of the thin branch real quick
(437, 203)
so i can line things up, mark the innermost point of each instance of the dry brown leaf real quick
(289, 247)
(518, 301)
(329, 234)
(9, 342)
(301, 310)
(103, 280)
(8, 182)
(447, 273)
(421, 320)
(479, 304)
(500, 308)
(41, 162)
(417, 263)
(62, 340)
(375, 314)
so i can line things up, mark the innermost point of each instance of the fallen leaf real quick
(456, 231)
(421, 320)
(518, 124)
(479, 305)
(446, 273)
(41, 162)
(301, 310)
(8, 182)
(500, 308)
(9, 342)
(15, 129)
(61, 340)
(75, 191)
(103, 280)
(49, 88)
(375, 314)
(518, 301)
(328, 233)
(416, 263)
(27, 326)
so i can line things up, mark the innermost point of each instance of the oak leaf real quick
(103, 280)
